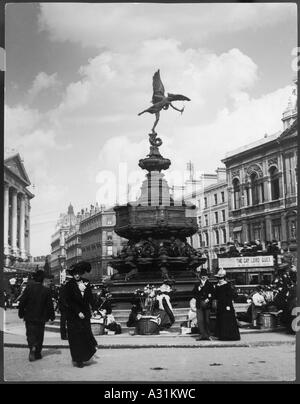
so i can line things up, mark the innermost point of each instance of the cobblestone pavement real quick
(272, 363)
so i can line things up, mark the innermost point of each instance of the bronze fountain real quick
(156, 226)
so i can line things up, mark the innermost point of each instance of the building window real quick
(206, 220)
(205, 202)
(224, 236)
(216, 199)
(200, 239)
(276, 229)
(109, 221)
(217, 237)
(237, 235)
(216, 218)
(290, 174)
(236, 194)
(254, 188)
(292, 229)
(257, 231)
(110, 270)
(206, 239)
(109, 236)
(275, 194)
(223, 216)
(109, 250)
(199, 220)
(223, 196)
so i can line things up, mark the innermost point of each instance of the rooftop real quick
(252, 145)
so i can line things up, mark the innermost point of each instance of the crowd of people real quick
(248, 249)
(77, 304)
(279, 296)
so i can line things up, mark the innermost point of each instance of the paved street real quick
(257, 357)
(160, 364)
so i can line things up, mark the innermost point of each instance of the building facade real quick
(66, 222)
(262, 187)
(211, 200)
(17, 199)
(73, 245)
(99, 241)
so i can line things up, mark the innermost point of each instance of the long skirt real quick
(226, 326)
(81, 340)
(165, 320)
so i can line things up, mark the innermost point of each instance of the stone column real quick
(28, 228)
(6, 219)
(250, 195)
(22, 227)
(232, 200)
(269, 236)
(14, 222)
(269, 188)
(244, 231)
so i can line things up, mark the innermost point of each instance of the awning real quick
(237, 229)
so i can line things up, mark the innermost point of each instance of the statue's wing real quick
(177, 97)
(158, 88)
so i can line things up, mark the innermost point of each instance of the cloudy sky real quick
(78, 74)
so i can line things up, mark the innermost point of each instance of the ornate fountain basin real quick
(134, 222)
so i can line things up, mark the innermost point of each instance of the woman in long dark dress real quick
(79, 302)
(165, 307)
(226, 323)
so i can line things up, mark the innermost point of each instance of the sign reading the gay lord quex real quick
(247, 262)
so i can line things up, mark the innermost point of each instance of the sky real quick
(78, 74)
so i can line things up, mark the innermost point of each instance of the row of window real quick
(109, 248)
(91, 247)
(73, 242)
(255, 191)
(73, 253)
(216, 199)
(219, 217)
(257, 231)
(96, 223)
(219, 237)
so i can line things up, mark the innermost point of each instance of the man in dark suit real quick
(203, 292)
(36, 308)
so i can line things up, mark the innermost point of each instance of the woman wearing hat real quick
(165, 306)
(79, 302)
(226, 323)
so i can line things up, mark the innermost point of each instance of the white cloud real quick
(42, 82)
(115, 86)
(97, 114)
(30, 133)
(102, 25)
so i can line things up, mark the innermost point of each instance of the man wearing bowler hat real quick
(36, 308)
(203, 292)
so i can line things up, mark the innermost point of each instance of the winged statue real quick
(160, 101)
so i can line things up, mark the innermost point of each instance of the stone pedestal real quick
(155, 190)
(157, 229)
